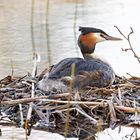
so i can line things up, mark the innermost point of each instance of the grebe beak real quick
(107, 37)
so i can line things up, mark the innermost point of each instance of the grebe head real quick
(90, 36)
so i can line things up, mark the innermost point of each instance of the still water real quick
(50, 27)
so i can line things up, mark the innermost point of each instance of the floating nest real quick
(78, 114)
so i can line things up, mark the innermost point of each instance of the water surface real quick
(54, 34)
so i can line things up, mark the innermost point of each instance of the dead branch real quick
(128, 109)
(45, 98)
(129, 42)
(28, 100)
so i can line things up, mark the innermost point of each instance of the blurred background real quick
(50, 28)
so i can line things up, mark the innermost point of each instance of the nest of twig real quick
(95, 110)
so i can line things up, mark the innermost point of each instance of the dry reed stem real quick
(112, 111)
(35, 56)
(69, 98)
(94, 121)
(28, 100)
(44, 98)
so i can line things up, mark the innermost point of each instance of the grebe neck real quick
(89, 55)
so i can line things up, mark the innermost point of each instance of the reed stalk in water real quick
(69, 98)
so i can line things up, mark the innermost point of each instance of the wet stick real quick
(29, 114)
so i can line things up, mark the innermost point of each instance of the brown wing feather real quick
(89, 79)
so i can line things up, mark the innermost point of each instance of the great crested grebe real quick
(89, 71)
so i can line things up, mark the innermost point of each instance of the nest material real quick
(81, 114)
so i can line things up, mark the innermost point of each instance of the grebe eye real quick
(102, 35)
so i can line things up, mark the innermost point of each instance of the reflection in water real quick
(47, 32)
(56, 27)
(12, 133)
(75, 25)
(32, 27)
